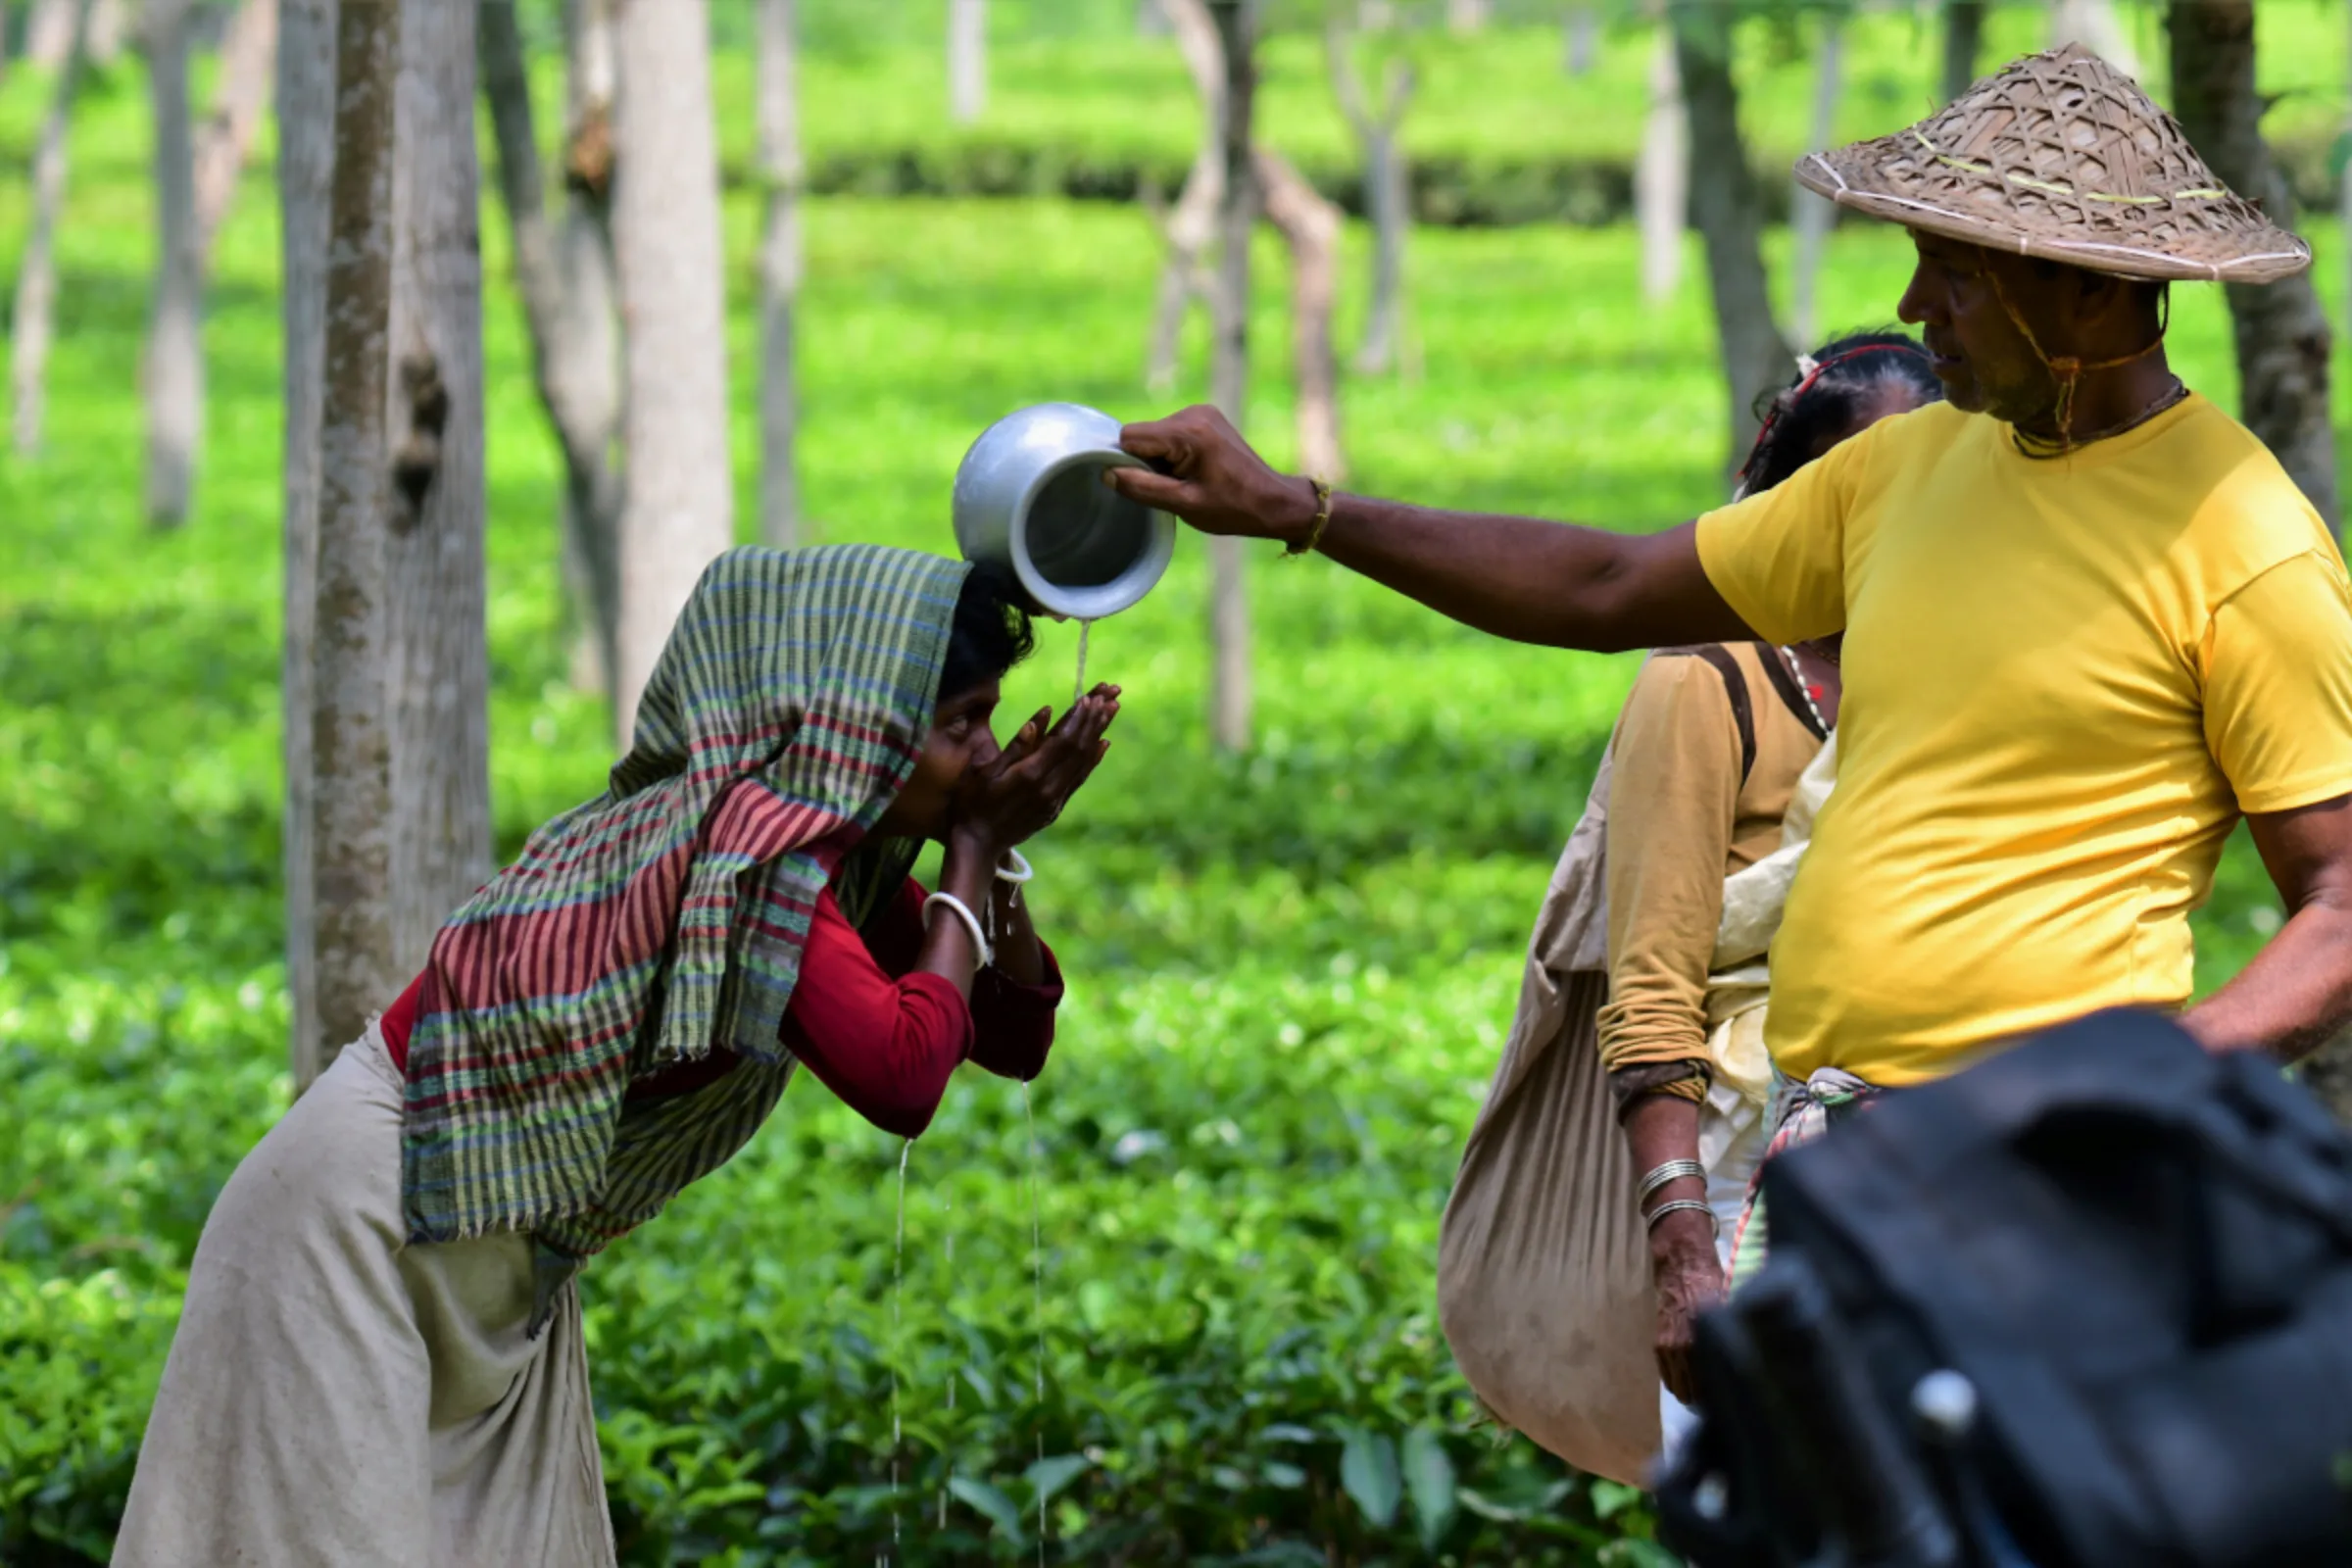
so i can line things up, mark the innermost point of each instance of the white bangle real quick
(971, 923)
(1016, 870)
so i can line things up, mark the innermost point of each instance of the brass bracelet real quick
(1314, 535)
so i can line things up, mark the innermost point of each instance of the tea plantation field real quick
(1290, 969)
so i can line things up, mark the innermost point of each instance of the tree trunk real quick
(1662, 175)
(1963, 44)
(108, 23)
(2282, 331)
(781, 168)
(1468, 15)
(440, 680)
(1583, 40)
(564, 275)
(239, 97)
(1229, 696)
(967, 60)
(592, 324)
(2344, 193)
(1813, 214)
(173, 368)
(1311, 226)
(2093, 24)
(305, 163)
(33, 322)
(1388, 197)
(1723, 203)
(49, 29)
(1192, 226)
(352, 865)
(679, 512)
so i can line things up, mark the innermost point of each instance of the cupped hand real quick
(1012, 798)
(1690, 1280)
(1203, 472)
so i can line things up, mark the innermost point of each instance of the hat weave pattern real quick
(2061, 156)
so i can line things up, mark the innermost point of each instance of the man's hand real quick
(1209, 475)
(2297, 993)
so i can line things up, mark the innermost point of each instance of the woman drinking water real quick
(381, 1359)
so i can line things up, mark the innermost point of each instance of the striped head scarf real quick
(666, 916)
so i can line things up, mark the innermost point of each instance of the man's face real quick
(1983, 360)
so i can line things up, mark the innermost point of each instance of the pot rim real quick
(1095, 601)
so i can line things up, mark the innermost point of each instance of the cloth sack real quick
(1544, 1288)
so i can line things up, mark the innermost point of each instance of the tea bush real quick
(1290, 969)
(1498, 132)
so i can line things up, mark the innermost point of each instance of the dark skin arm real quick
(1683, 1261)
(2297, 993)
(1531, 581)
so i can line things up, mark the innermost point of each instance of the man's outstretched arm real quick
(1516, 578)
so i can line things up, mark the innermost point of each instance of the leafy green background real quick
(1291, 969)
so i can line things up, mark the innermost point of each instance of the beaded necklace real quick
(1803, 689)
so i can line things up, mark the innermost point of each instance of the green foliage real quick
(1290, 969)
(1081, 105)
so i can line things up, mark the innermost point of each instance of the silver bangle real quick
(1679, 1205)
(1673, 1171)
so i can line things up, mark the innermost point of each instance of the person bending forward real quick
(381, 1359)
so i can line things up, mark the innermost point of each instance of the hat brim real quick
(2244, 247)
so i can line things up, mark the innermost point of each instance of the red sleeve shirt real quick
(884, 1039)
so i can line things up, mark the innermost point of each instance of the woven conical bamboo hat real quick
(2061, 156)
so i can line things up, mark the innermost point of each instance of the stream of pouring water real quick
(1079, 690)
(951, 1239)
(1037, 1263)
(898, 1340)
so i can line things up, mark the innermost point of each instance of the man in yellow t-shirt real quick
(2090, 621)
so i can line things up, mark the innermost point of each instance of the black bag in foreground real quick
(2085, 1306)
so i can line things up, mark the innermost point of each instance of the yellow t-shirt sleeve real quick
(2278, 685)
(1778, 558)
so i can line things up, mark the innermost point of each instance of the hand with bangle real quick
(1671, 1197)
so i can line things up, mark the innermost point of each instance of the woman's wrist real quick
(978, 841)
(1683, 1238)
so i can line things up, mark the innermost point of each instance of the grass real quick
(1292, 969)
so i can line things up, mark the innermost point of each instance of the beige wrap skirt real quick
(335, 1395)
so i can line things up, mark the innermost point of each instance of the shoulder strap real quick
(1783, 683)
(1735, 688)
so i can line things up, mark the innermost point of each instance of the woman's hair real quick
(1833, 384)
(991, 633)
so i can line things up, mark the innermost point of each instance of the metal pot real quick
(1030, 495)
